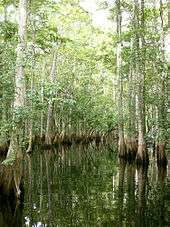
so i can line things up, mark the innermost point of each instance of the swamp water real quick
(88, 186)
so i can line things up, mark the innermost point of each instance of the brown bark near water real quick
(161, 155)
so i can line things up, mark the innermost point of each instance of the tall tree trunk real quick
(121, 143)
(162, 110)
(19, 99)
(32, 92)
(130, 140)
(50, 122)
(14, 156)
(142, 156)
(143, 59)
(42, 101)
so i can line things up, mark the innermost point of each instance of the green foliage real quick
(85, 76)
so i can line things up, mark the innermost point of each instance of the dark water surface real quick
(88, 186)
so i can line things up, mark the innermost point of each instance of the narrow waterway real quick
(88, 186)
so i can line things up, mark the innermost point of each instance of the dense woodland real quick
(64, 80)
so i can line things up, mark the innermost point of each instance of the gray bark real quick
(49, 127)
(121, 142)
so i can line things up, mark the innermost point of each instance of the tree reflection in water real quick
(88, 186)
(76, 189)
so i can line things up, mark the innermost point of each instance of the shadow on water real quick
(89, 186)
(11, 212)
(11, 194)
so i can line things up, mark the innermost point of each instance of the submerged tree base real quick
(69, 139)
(161, 156)
(122, 148)
(142, 157)
(131, 148)
(128, 149)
